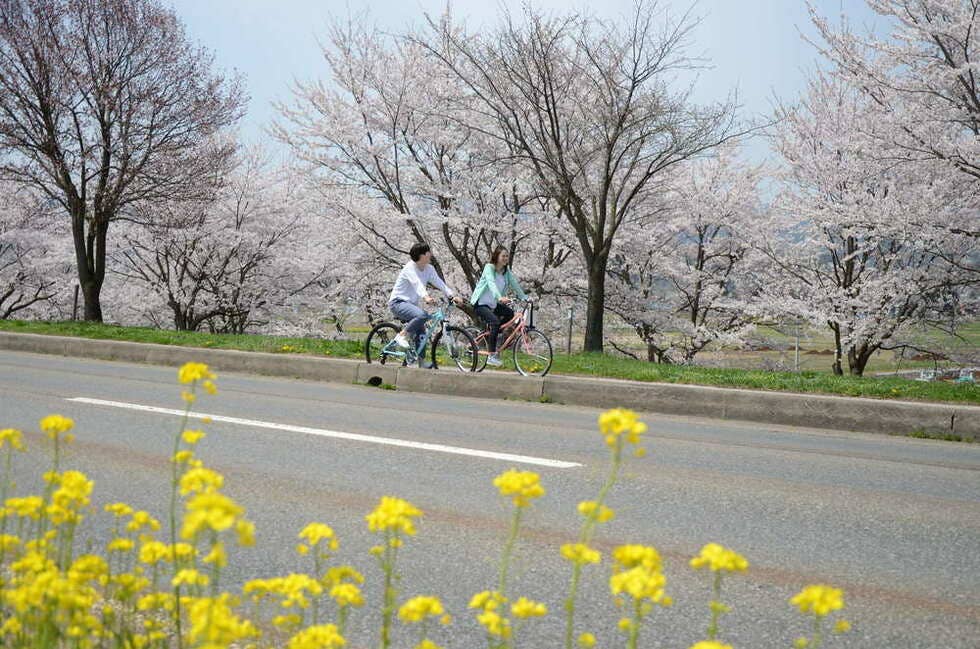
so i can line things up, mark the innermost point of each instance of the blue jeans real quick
(413, 315)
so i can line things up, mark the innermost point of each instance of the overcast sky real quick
(753, 45)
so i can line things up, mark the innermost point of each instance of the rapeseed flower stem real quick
(715, 610)
(585, 537)
(515, 524)
(174, 482)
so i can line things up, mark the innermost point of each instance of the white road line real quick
(336, 434)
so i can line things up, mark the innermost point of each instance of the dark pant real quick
(494, 318)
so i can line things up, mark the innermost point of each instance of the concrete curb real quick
(786, 408)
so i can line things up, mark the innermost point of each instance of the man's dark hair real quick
(418, 250)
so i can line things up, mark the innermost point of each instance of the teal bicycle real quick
(450, 345)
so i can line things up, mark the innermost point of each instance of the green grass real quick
(807, 381)
(576, 364)
(247, 342)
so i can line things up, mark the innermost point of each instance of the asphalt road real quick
(895, 522)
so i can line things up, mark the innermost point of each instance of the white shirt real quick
(411, 282)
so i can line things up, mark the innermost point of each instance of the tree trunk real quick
(91, 272)
(838, 352)
(596, 306)
(857, 360)
(91, 292)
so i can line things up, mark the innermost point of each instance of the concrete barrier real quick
(787, 408)
(489, 385)
(223, 360)
(793, 409)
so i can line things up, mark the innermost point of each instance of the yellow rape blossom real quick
(13, 437)
(121, 544)
(246, 532)
(209, 511)
(639, 583)
(488, 600)
(192, 372)
(214, 623)
(494, 624)
(153, 552)
(521, 486)
(217, 555)
(156, 602)
(181, 552)
(710, 644)
(631, 556)
(316, 532)
(580, 553)
(192, 437)
(119, 510)
(55, 425)
(182, 457)
(393, 514)
(586, 640)
(346, 594)
(200, 480)
(8, 542)
(819, 599)
(341, 574)
(524, 608)
(592, 510)
(719, 559)
(324, 636)
(189, 577)
(86, 568)
(26, 507)
(419, 608)
(293, 590)
(427, 644)
(621, 423)
(141, 520)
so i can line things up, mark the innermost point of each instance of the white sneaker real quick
(494, 361)
(402, 341)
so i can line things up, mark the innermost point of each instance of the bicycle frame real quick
(437, 320)
(518, 325)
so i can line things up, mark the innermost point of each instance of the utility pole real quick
(568, 340)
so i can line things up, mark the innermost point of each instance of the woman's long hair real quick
(495, 257)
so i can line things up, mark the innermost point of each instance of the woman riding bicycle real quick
(490, 300)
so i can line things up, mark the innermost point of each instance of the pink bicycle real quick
(531, 348)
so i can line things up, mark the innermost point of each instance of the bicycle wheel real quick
(482, 340)
(379, 346)
(454, 346)
(532, 353)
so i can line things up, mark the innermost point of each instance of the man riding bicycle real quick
(410, 289)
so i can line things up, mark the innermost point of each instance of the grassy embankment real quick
(575, 364)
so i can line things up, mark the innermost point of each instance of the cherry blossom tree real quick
(689, 280)
(922, 73)
(591, 111)
(101, 105)
(231, 259)
(852, 241)
(383, 135)
(35, 255)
